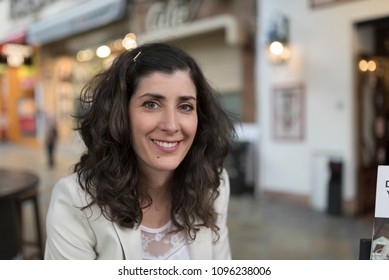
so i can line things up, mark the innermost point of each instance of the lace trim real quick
(162, 244)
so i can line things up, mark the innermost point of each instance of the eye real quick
(186, 107)
(150, 105)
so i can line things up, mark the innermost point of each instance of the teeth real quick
(165, 144)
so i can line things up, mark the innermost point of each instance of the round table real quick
(16, 182)
(17, 186)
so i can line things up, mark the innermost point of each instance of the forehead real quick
(160, 82)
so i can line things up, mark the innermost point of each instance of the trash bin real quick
(236, 166)
(335, 188)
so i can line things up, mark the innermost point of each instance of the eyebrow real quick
(161, 97)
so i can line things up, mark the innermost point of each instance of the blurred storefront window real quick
(18, 109)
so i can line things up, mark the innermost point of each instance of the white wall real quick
(323, 46)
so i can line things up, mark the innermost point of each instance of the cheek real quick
(195, 127)
(192, 127)
(138, 127)
(135, 126)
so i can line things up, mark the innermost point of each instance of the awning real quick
(75, 20)
(17, 36)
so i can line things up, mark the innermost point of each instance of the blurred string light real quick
(108, 50)
(103, 51)
(85, 55)
(117, 45)
(129, 41)
(367, 65)
(109, 60)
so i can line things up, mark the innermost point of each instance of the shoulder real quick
(68, 190)
(68, 184)
(225, 183)
(70, 200)
(221, 202)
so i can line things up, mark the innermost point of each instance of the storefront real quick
(218, 34)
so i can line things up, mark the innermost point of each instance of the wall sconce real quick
(278, 40)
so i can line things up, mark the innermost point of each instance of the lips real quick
(164, 145)
(167, 145)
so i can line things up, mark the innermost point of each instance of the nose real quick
(169, 121)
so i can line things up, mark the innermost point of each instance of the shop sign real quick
(170, 14)
(22, 8)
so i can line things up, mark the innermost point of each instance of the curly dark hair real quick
(108, 170)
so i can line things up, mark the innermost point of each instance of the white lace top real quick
(161, 244)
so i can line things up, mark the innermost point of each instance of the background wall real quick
(323, 45)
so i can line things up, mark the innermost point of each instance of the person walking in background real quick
(151, 183)
(3, 127)
(50, 138)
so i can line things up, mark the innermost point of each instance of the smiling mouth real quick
(165, 144)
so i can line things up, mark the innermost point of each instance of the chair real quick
(10, 241)
(31, 195)
(16, 187)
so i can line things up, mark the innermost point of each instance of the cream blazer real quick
(78, 234)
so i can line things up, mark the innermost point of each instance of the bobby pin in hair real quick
(134, 59)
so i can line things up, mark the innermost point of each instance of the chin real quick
(168, 166)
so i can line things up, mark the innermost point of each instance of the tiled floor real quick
(260, 228)
(269, 228)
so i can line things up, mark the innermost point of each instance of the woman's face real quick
(163, 120)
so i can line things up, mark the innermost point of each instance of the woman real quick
(151, 183)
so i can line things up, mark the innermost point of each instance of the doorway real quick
(372, 111)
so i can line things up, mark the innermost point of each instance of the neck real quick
(156, 179)
(158, 213)
(158, 188)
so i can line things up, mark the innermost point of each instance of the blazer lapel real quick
(131, 242)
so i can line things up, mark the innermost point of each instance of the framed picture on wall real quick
(288, 112)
